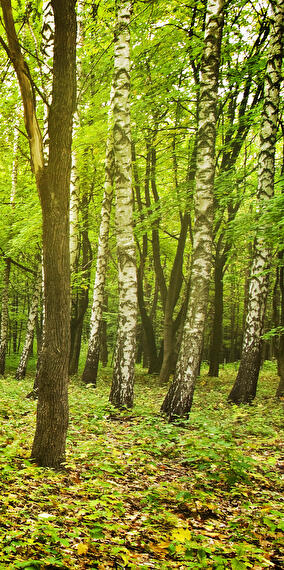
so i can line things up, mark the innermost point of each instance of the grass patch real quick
(139, 492)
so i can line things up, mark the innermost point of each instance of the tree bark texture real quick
(53, 183)
(123, 375)
(178, 400)
(244, 389)
(52, 413)
(92, 361)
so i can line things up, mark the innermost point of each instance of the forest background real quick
(166, 60)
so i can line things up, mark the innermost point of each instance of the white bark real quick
(14, 178)
(47, 33)
(90, 370)
(244, 389)
(21, 370)
(179, 398)
(123, 374)
(74, 185)
(74, 213)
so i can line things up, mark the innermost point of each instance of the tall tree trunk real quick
(147, 337)
(123, 374)
(52, 413)
(80, 298)
(244, 389)
(178, 400)
(217, 330)
(92, 361)
(53, 183)
(21, 370)
(280, 347)
(172, 296)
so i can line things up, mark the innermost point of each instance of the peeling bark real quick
(123, 375)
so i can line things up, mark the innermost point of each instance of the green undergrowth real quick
(138, 492)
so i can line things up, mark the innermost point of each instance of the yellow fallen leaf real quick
(181, 534)
(82, 548)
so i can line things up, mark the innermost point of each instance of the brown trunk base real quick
(90, 373)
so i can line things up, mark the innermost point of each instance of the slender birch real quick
(178, 400)
(123, 374)
(21, 370)
(74, 184)
(244, 389)
(92, 361)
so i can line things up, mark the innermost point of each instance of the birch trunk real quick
(123, 374)
(244, 389)
(21, 370)
(178, 400)
(74, 185)
(92, 361)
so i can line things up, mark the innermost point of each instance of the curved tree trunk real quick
(123, 374)
(244, 389)
(178, 400)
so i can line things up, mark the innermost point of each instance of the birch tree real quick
(178, 400)
(53, 183)
(22, 366)
(244, 389)
(92, 360)
(123, 374)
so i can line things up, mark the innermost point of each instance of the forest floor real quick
(139, 492)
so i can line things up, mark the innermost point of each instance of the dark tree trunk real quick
(217, 333)
(280, 366)
(280, 350)
(151, 348)
(80, 299)
(53, 183)
(5, 316)
(54, 186)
